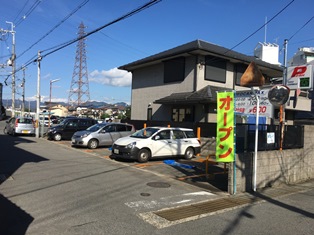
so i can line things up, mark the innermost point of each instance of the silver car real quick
(19, 126)
(101, 134)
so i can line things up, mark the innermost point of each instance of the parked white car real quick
(45, 121)
(152, 142)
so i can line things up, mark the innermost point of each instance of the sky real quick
(40, 25)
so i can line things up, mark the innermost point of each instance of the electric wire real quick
(35, 58)
(32, 8)
(301, 28)
(133, 12)
(271, 19)
(56, 26)
(124, 44)
(22, 9)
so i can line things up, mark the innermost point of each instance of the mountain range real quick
(32, 104)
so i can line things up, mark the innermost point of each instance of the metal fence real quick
(268, 135)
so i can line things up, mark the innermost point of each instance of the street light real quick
(51, 81)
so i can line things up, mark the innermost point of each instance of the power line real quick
(32, 8)
(301, 27)
(20, 10)
(135, 11)
(271, 19)
(262, 26)
(56, 26)
(65, 44)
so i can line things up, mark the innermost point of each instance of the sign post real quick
(225, 141)
(225, 127)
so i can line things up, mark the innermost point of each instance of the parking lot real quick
(194, 172)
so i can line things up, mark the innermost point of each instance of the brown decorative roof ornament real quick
(252, 76)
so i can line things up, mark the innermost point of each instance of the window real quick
(189, 134)
(149, 114)
(164, 135)
(121, 128)
(182, 114)
(239, 70)
(84, 123)
(111, 128)
(72, 123)
(215, 69)
(174, 70)
(177, 134)
(25, 120)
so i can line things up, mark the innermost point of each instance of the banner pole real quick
(235, 152)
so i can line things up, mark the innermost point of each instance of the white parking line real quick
(170, 200)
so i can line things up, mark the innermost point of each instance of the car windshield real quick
(25, 120)
(145, 133)
(95, 127)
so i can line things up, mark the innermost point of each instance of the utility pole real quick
(282, 107)
(23, 94)
(11, 62)
(13, 57)
(38, 94)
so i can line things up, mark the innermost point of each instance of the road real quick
(50, 188)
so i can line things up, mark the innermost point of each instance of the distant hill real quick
(32, 104)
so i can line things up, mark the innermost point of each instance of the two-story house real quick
(180, 84)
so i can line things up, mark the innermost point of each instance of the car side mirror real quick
(157, 137)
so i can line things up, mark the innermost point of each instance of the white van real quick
(152, 142)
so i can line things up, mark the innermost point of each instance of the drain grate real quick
(201, 208)
(208, 207)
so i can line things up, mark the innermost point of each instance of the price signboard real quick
(246, 103)
(300, 77)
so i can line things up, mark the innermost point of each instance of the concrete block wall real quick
(277, 167)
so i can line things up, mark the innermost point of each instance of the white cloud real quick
(112, 77)
(47, 76)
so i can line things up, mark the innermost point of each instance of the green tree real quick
(105, 115)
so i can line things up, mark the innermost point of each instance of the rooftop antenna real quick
(265, 29)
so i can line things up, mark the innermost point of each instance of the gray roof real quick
(202, 96)
(198, 47)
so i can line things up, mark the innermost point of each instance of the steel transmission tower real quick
(79, 91)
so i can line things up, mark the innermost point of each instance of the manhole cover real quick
(158, 184)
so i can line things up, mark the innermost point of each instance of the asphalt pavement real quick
(48, 187)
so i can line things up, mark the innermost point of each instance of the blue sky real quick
(163, 26)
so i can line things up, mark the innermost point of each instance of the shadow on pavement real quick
(13, 220)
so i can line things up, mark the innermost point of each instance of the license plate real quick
(25, 132)
(116, 151)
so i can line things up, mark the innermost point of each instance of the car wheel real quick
(92, 144)
(57, 137)
(143, 155)
(5, 131)
(189, 153)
